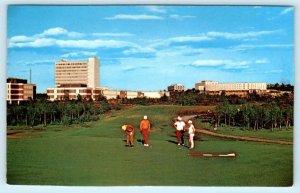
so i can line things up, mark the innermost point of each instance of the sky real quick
(149, 48)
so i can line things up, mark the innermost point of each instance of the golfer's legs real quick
(131, 139)
(178, 134)
(182, 137)
(192, 141)
(127, 139)
(145, 136)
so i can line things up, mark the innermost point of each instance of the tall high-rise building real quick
(84, 73)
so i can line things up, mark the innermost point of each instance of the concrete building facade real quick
(176, 88)
(77, 72)
(71, 93)
(18, 90)
(242, 88)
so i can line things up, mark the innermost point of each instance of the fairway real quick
(93, 154)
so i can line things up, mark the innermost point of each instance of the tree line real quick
(42, 111)
(231, 110)
(254, 116)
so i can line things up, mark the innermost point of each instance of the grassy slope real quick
(94, 154)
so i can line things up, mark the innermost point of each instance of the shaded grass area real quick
(94, 154)
(278, 134)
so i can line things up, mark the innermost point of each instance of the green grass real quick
(93, 154)
(278, 134)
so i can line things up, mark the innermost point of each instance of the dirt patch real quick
(17, 135)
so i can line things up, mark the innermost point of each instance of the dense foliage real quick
(45, 112)
(254, 111)
(254, 116)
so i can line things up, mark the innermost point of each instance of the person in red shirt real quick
(144, 129)
(129, 130)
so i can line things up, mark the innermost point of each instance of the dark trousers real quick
(182, 137)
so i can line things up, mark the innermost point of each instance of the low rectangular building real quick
(71, 93)
(176, 88)
(18, 90)
(238, 88)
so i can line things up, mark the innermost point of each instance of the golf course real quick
(94, 153)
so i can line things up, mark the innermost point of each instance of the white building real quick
(176, 88)
(77, 72)
(71, 93)
(238, 87)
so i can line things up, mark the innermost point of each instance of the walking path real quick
(207, 132)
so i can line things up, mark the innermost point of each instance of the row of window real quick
(71, 63)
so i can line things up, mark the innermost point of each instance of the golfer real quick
(129, 130)
(191, 130)
(144, 129)
(179, 125)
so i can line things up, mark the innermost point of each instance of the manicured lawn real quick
(94, 154)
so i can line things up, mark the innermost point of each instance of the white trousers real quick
(191, 140)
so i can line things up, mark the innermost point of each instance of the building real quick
(86, 93)
(74, 78)
(71, 93)
(176, 88)
(18, 90)
(242, 88)
(77, 72)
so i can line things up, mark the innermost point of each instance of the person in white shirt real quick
(179, 125)
(191, 131)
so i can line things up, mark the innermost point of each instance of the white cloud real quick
(229, 35)
(139, 50)
(89, 44)
(59, 31)
(226, 64)
(251, 46)
(179, 51)
(135, 17)
(190, 38)
(261, 61)
(112, 34)
(36, 43)
(75, 35)
(54, 31)
(181, 17)
(135, 67)
(74, 54)
(21, 39)
(42, 39)
(287, 10)
(156, 9)
(39, 62)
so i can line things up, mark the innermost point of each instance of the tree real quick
(246, 115)
(274, 114)
(223, 109)
(79, 98)
(232, 111)
(164, 98)
(288, 115)
(101, 98)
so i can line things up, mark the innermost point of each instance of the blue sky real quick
(151, 47)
